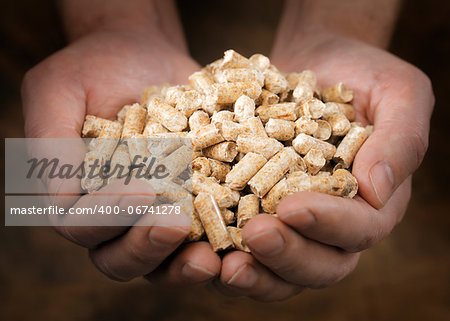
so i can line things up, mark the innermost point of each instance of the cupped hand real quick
(317, 238)
(97, 75)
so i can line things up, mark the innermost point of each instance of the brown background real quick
(405, 277)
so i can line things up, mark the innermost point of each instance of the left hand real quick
(317, 239)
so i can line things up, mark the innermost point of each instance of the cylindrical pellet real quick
(224, 195)
(201, 165)
(254, 126)
(228, 93)
(167, 115)
(247, 209)
(337, 93)
(236, 235)
(280, 129)
(261, 145)
(134, 121)
(244, 108)
(286, 111)
(219, 169)
(224, 152)
(350, 145)
(93, 126)
(198, 118)
(189, 102)
(314, 161)
(323, 131)
(212, 222)
(304, 143)
(244, 170)
(205, 136)
(201, 81)
(272, 171)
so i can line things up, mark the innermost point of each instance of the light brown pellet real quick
(267, 98)
(340, 125)
(236, 235)
(228, 216)
(244, 108)
(198, 118)
(152, 127)
(167, 115)
(314, 161)
(225, 151)
(274, 81)
(201, 165)
(197, 230)
(323, 131)
(337, 93)
(244, 170)
(351, 143)
(296, 182)
(228, 93)
(304, 91)
(201, 81)
(93, 126)
(205, 136)
(341, 183)
(306, 125)
(232, 59)
(272, 171)
(304, 143)
(134, 121)
(120, 163)
(280, 129)
(248, 208)
(286, 111)
(212, 222)
(241, 74)
(259, 62)
(219, 169)
(188, 102)
(224, 195)
(231, 130)
(261, 145)
(254, 126)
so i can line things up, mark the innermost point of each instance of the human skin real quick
(111, 60)
(318, 238)
(115, 50)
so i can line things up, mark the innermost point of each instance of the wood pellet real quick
(257, 135)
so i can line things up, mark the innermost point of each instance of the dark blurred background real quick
(405, 277)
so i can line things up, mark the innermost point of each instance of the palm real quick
(98, 74)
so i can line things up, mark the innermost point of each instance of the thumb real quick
(399, 141)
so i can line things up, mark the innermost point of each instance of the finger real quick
(400, 138)
(89, 230)
(242, 275)
(191, 264)
(294, 258)
(137, 252)
(351, 224)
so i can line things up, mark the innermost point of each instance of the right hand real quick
(97, 75)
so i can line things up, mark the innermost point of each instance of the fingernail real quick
(196, 273)
(166, 236)
(245, 277)
(382, 179)
(269, 243)
(303, 218)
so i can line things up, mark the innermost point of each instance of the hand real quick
(97, 75)
(317, 239)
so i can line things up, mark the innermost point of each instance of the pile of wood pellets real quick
(257, 135)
